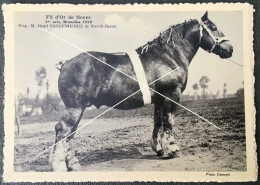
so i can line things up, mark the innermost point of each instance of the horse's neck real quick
(186, 47)
(181, 51)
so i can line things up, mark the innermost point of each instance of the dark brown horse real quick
(85, 81)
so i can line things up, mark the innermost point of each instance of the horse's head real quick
(213, 40)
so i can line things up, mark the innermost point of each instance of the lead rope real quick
(235, 62)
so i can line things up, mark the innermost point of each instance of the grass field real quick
(120, 140)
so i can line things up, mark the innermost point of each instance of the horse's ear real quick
(205, 17)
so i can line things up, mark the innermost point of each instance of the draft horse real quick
(84, 81)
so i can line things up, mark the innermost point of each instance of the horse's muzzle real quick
(226, 50)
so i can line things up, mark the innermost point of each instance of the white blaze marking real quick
(141, 78)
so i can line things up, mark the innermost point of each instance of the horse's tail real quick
(59, 65)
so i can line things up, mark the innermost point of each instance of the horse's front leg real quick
(62, 157)
(158, 129)
(168, 142)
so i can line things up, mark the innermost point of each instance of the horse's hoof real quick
(175, 154)
(59, 167)
(178, 154)
(160, 153)
(75, 167)
(172, 151)
(57, 164)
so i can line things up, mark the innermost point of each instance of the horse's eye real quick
(214, 28)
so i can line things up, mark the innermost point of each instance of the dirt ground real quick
(123, 144)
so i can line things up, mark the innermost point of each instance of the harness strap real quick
(141, 78)
(217, 40)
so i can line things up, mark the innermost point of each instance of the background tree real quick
(53, 106)
(240, 93)
(225, 90)
(195, 88)
(204, 80)
(27, 93)
(40, 76)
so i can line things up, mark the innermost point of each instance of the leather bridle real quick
(217, 40)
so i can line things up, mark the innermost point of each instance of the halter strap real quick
(217, 40)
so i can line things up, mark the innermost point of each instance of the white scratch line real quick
(99, 116)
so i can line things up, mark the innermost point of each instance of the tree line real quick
(51, 103)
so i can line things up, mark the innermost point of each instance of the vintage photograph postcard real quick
(129, 93)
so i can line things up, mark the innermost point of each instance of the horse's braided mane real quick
(172, 35)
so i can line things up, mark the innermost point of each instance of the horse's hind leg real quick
(62, 157)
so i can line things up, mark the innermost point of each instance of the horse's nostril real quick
(231, 49)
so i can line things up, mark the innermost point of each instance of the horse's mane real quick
(172, 35)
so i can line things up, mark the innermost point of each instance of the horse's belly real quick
(123, 92)
(131, 103)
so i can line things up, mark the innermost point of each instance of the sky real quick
(35, 48)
